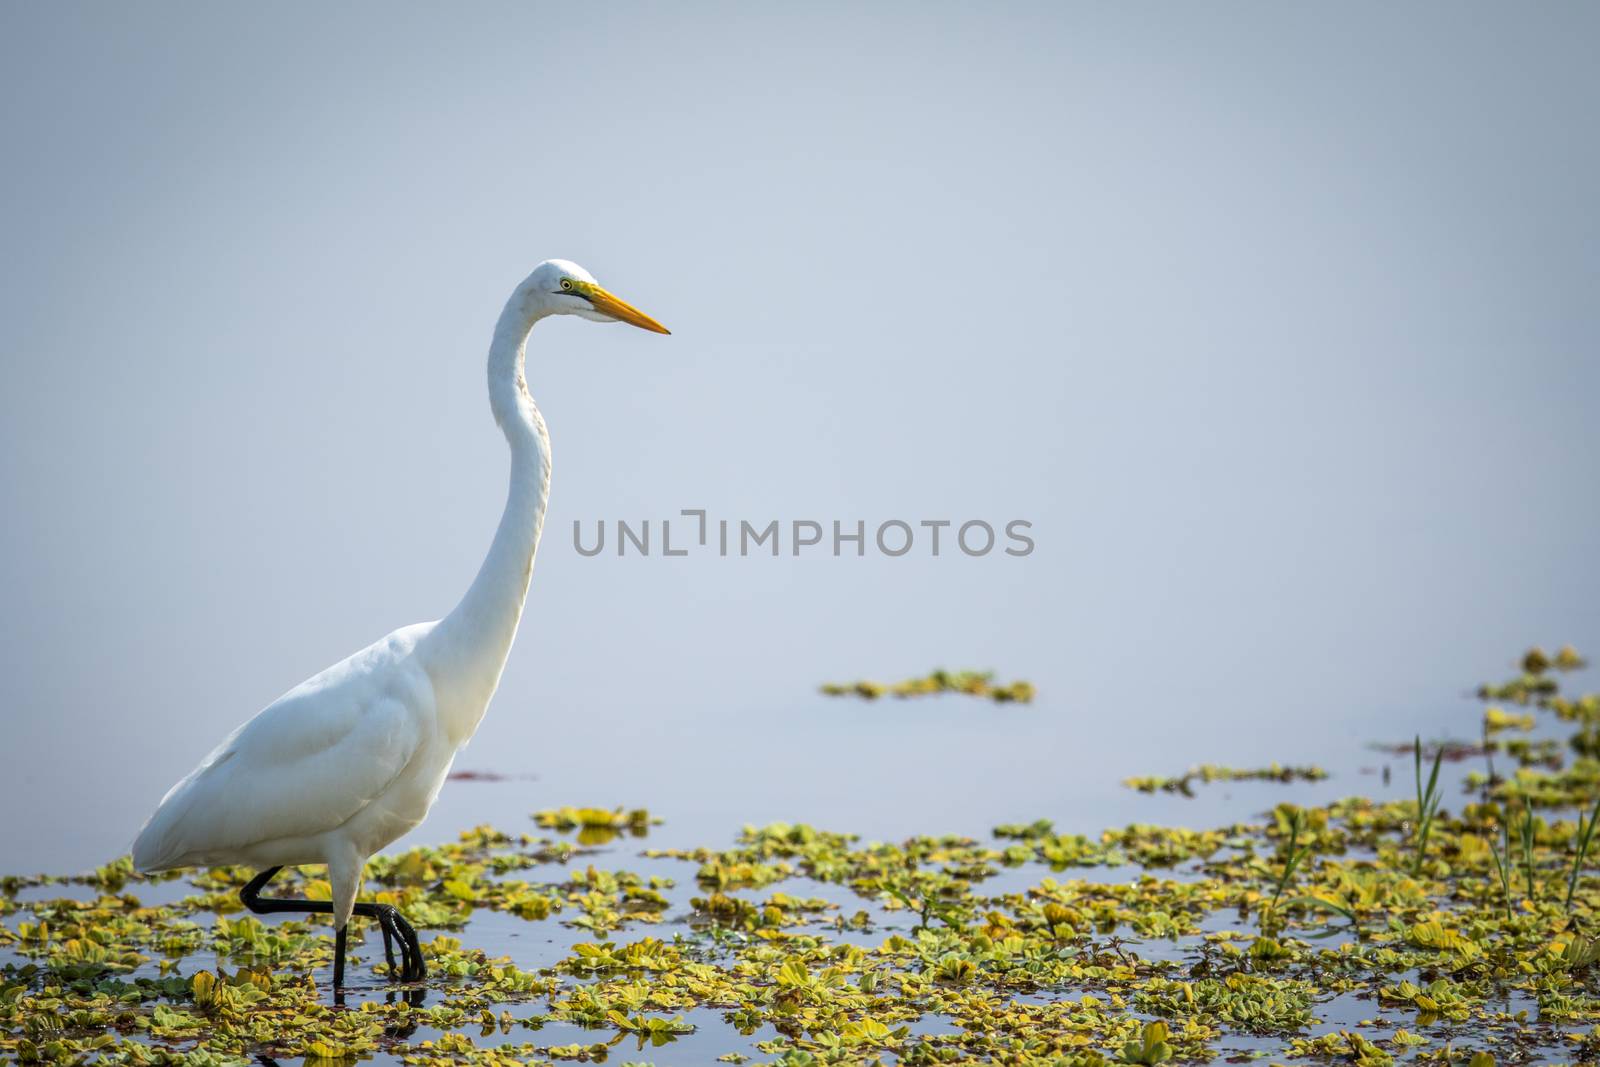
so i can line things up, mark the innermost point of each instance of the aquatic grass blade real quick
(1502, 862)
(1335, 908)
(1525, 832)
(1585, 836)
(1427, 801)
(1294, 855)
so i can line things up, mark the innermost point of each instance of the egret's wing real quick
(305, 765)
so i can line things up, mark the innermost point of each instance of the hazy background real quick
(1278, 322)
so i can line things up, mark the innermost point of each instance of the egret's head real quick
(561, 287)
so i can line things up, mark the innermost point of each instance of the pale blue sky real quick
(1277, 321)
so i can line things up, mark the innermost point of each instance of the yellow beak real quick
(621, 310)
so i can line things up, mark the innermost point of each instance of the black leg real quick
(250, 896)
(338, 956)
(408, 934)
(412, 967)
(388, 941)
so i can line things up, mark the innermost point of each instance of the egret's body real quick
(331, 772)
(352, 758)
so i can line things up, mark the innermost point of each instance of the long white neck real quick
(467, 650)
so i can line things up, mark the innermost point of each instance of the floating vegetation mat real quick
(1455, 926)
(1210, 773)
(970, 683)
(596, 826)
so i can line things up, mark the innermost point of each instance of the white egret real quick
(349, 760)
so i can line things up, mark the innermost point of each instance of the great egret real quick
(349, 760)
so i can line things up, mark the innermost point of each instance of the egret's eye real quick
(566, 283)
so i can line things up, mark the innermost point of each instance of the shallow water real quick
(483, 793)
(537, 944)
(533, 945)
(900, 768)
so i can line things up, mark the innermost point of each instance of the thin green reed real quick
(1502, 860)
(1585, 835)
(1526, 835)
(1293, 856)
(1427, 801)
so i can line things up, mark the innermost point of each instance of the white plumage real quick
(352, 758)
(332, 771)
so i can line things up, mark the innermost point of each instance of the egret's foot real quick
(386, 924)
(394, 926)
(416, 968)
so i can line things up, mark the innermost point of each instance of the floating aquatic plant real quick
(596, 826)
(790, 945)
(1207, 772)
(1151, 1047)
(1497, 719)
(970, 683)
